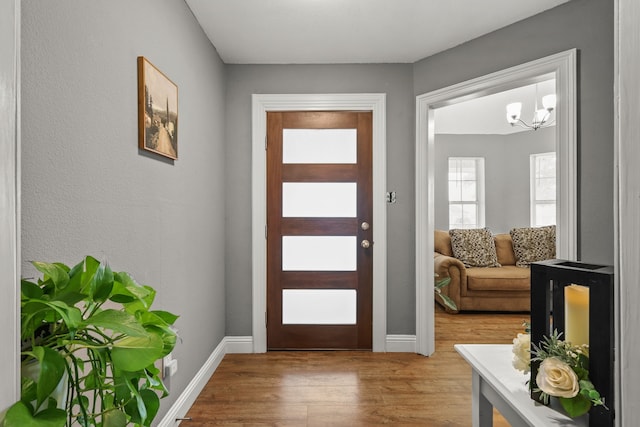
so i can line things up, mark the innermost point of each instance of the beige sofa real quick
(504, 288)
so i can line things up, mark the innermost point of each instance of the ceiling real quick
(488, 115)
(351, 31)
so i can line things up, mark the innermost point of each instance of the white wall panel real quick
(9, 199)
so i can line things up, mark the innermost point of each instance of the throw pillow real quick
(531, 244)
(474, 247)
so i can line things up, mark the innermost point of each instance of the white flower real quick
(522, 352)
(557, 379)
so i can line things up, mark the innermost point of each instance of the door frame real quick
(562, 66)
(10, 202)
(261, 104)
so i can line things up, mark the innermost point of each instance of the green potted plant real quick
(437, 288)
(90, 343)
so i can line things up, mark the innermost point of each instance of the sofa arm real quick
(446, 266)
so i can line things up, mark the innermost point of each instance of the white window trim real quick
(480, 190)
(533, 200)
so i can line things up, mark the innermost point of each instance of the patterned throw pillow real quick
(531, 244)
(474, 247)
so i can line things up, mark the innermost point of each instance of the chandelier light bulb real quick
(513, 112)
(549, 102)
(539, 117)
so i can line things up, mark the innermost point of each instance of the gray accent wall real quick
(88, 190)
(507, 187)
(393, 79)
(586, 25)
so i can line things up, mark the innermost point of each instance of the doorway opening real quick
(562, 68)
(261, 105)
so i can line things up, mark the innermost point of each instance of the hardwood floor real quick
(353, 388)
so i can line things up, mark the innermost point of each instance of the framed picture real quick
(157, 111)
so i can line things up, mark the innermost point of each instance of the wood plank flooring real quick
(353, 388)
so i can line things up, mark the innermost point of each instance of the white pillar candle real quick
(576, 314)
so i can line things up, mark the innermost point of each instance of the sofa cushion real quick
(505, 278)
(442, 242)
(474, 247)
(504, 249)
(531, 244)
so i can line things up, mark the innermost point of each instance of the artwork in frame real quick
(157, 111)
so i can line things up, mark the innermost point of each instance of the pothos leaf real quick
(144, 408)
(442, 282)
(51, 369)
(135, 353)
(114, 418)
(117, 321)
(57, 273)
(19, 415)
(169, 318)
(30, 290)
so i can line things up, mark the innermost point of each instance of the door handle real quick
(364, 225)
(365, 244)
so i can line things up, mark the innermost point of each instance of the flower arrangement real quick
(563, 372)
(522, 352)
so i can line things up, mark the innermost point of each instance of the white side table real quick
(496, 383)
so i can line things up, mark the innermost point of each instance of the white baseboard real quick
(244, 344)
(401, 344)
(181, 406)
(237, 345)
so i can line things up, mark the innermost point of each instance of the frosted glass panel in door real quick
(319, 253)
(319, 199)
(319, 146)
(319, 306)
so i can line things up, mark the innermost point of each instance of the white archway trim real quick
(261, 104)
(562, 66)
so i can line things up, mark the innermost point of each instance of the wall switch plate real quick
(391, 197)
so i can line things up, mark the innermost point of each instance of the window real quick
(466, 192)
(543, 189)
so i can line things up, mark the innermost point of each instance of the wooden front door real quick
(319, 230)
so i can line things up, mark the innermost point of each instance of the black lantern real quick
(548, 282)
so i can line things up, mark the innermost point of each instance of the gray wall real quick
(583, 24)
(507, 185)
(87, 189)
(396, 82)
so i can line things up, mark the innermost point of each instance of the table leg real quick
(481, 408)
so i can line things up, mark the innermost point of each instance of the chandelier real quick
(540, 115)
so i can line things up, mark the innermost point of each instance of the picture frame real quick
(157, 111)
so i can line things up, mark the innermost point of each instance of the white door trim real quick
(626, 208)
(562, 66)
(10, 202)
(261, 104)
